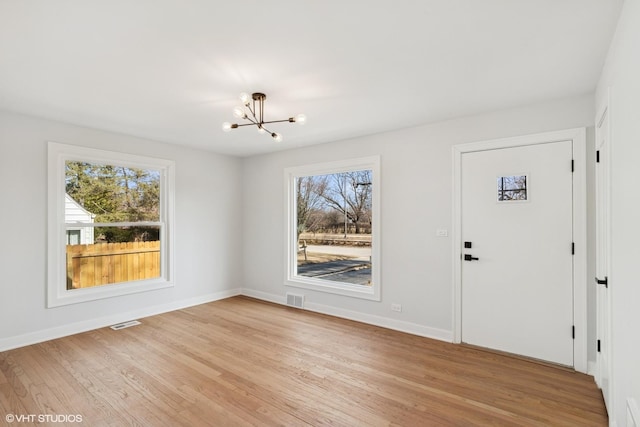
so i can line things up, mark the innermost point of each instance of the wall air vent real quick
(125, 325)
(294, 300)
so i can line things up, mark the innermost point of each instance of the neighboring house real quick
(75, 213)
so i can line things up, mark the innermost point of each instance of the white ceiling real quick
(172, 70)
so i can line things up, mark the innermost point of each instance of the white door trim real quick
(578, 136)
(605, 109)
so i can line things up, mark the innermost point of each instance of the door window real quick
(512, 188)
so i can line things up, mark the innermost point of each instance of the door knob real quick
(468, 257)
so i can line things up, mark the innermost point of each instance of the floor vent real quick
(294, 300)
(123, 325)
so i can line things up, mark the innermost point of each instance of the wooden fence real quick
(106, 263)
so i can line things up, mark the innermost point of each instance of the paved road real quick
(358, 277)
(349, 271)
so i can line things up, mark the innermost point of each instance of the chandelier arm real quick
(253, 122)
(291, 119)
(252, 111)
(265, 129)
(261, 105)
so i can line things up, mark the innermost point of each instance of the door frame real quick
(604, 108)
(578, 136)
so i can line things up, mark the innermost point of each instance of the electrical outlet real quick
(396, 307)
(442, 232)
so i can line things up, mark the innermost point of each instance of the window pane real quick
(73, 237)
(334, 217)
(118, 254)
(512, 188)
(113, 193)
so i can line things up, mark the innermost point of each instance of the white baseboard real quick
(88, 325)
(371, 319)
(264, 296)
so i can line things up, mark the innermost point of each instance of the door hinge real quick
(573, 332)
(604, 282)
(598, 156)
(598, 346)
(573, 248)
(573, 165)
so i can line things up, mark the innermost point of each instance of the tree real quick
(349, 193)
(116, 194)
(309, 194)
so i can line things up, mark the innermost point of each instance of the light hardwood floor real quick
(240, 361)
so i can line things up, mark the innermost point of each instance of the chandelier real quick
(252, 110)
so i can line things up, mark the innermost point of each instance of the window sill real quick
(339, 288)
(74, 296)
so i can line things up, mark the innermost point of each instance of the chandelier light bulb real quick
(277, 137)
(239, 112)
(261, 129)
(245, 98)
(226, 126)
(301, 119)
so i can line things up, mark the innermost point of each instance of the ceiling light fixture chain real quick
(254, 104)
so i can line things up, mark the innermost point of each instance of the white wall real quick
(416, 193)
(208, 231)
(220, 250)
(622, 74)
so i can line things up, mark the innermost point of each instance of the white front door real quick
(602, 261)
(517, 267)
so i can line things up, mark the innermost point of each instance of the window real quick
(512, 188)
(333, 235)
(110, 224)
(73, 237)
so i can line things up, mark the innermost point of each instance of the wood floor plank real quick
(241, 362)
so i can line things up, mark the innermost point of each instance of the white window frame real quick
(372, 292)
(57, 292)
